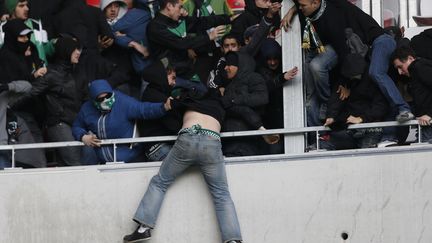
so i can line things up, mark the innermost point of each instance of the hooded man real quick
(255, 10)
(364, 104)
(243, 98)
(110, 114)
(17, 55)
(129, 28)
(19, 61)
(270, 68)
(19, 9)
(58, 91)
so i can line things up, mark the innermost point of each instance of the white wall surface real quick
(376, 198)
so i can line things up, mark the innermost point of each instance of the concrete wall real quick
(374, 197)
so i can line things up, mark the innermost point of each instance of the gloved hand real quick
(4, 87)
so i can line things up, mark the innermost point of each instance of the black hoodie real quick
(251, 16)
(15, 65)
(422, 44)
(57, 88)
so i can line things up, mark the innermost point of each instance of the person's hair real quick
(230, 36)
(402, 53)
(164, 3)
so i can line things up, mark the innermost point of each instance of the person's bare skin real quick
(191, 118)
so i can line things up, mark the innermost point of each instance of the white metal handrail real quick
(285, 131)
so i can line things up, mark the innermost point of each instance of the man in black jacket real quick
(365, 103)
(419, 71)
(169, 37)
(244, 96)
(61, 102)
(324, 22)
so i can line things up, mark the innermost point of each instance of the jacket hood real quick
(12, 29)
(428, 32)
(246, 65)
(123, 6)
(98, 87)
(64, 48)
(156, 75)
(270, 48)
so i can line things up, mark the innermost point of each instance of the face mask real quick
(106, 104)
(22, 47)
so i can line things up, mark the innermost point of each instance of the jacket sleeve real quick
(79, 128)
(163, 36)
(39, 86)
(196, 25)
(20, 86)
(141, 110)
(334, 106)
(378, 109)
(122, 41)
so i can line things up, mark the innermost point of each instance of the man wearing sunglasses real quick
(110, 114)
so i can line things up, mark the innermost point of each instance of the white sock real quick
(142, 229)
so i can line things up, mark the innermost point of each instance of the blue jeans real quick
(382, 48)
(205, 152)
(317, 81)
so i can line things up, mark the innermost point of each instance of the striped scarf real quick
(310, 33)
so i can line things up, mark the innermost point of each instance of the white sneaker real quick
(386, 143)
(404, 116)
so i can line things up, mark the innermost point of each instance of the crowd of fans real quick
(70, 71)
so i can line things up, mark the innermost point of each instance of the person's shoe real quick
(386, 143)
(138, 235)
(404, 116)
(234, 241)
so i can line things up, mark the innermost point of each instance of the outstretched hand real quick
(290, 74)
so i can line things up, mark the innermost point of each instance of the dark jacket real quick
(251, 16)
(57, 88)
(365, 101)
(422, 44)
(58, 91)
(15, 65)
(84, 22)
(165, 43)
(339, 15)
(158, 90)
(45, 11)
(247, 87)
(246, 93)
(273, 117)
(421, 86)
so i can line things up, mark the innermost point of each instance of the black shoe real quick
(137, 236)
(234, 241)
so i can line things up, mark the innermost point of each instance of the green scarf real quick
(310, 33)
(180, 30)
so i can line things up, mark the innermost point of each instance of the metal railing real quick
(285, 131)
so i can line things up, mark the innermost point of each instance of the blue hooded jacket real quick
(118, 123)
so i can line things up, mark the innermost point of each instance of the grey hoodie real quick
(122, 12)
